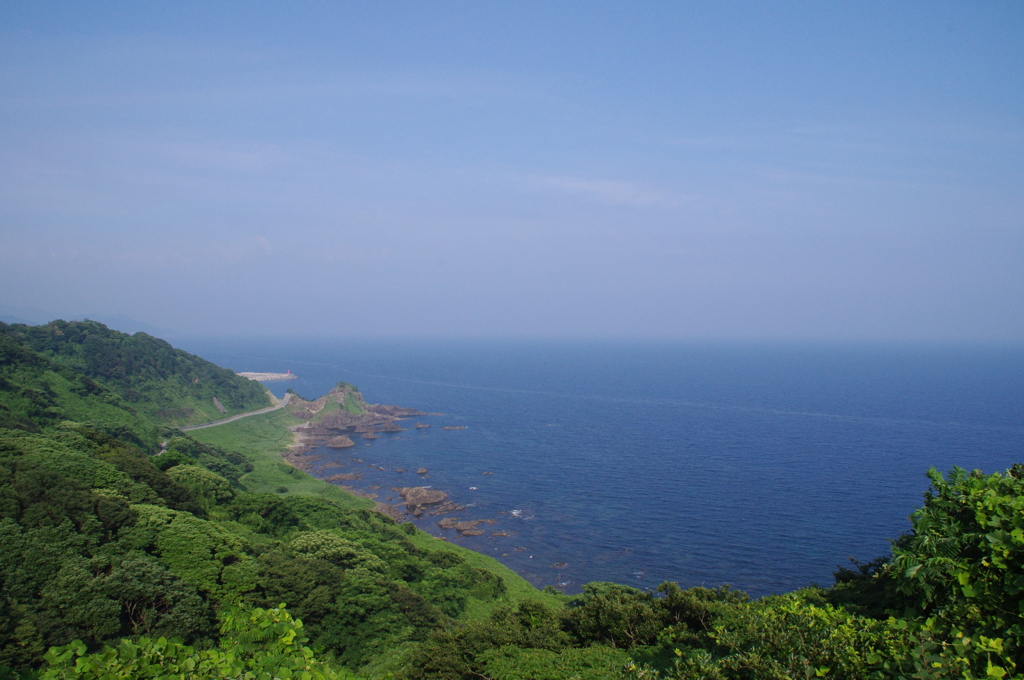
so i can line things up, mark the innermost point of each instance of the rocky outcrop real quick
(418, 496)
(335, 421)
(447, 507)
(345, 477)
(395, 512)
(465, 527)
(340, 442)
(389, 411)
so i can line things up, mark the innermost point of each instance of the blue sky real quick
(815, 171)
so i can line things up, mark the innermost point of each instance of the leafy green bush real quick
(963, 566)
(255, 644)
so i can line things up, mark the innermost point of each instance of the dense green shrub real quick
(255, 643)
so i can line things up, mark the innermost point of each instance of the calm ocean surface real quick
(761, 466)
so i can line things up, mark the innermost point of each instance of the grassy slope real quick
(261, 439)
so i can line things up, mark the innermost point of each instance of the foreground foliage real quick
(255, 644)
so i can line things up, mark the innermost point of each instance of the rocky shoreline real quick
(333, 421)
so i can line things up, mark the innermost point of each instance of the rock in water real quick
(342, 442)
(421, 471)
(345, 477)
(417, 496)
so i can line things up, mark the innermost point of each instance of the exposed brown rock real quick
(454, 427)
(447, 507)
(394, 411)
(465, 528)
(394, 512)
(416, 496)
(422, 471)
(345, 477)
(342, 442)
(371, 435)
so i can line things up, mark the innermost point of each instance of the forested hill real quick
(167, 385)
(38, 393)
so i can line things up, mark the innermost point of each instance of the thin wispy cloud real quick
(613, 192)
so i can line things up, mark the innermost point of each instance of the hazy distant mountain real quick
(29, 315)
(126, 324)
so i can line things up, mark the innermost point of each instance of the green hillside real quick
(213, 559)
(37, 393)
(101, 540)
(167, 385)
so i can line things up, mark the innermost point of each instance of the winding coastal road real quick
(280, 405)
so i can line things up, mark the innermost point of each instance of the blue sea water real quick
(761, 466)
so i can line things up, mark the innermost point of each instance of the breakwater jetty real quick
(268, 376)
